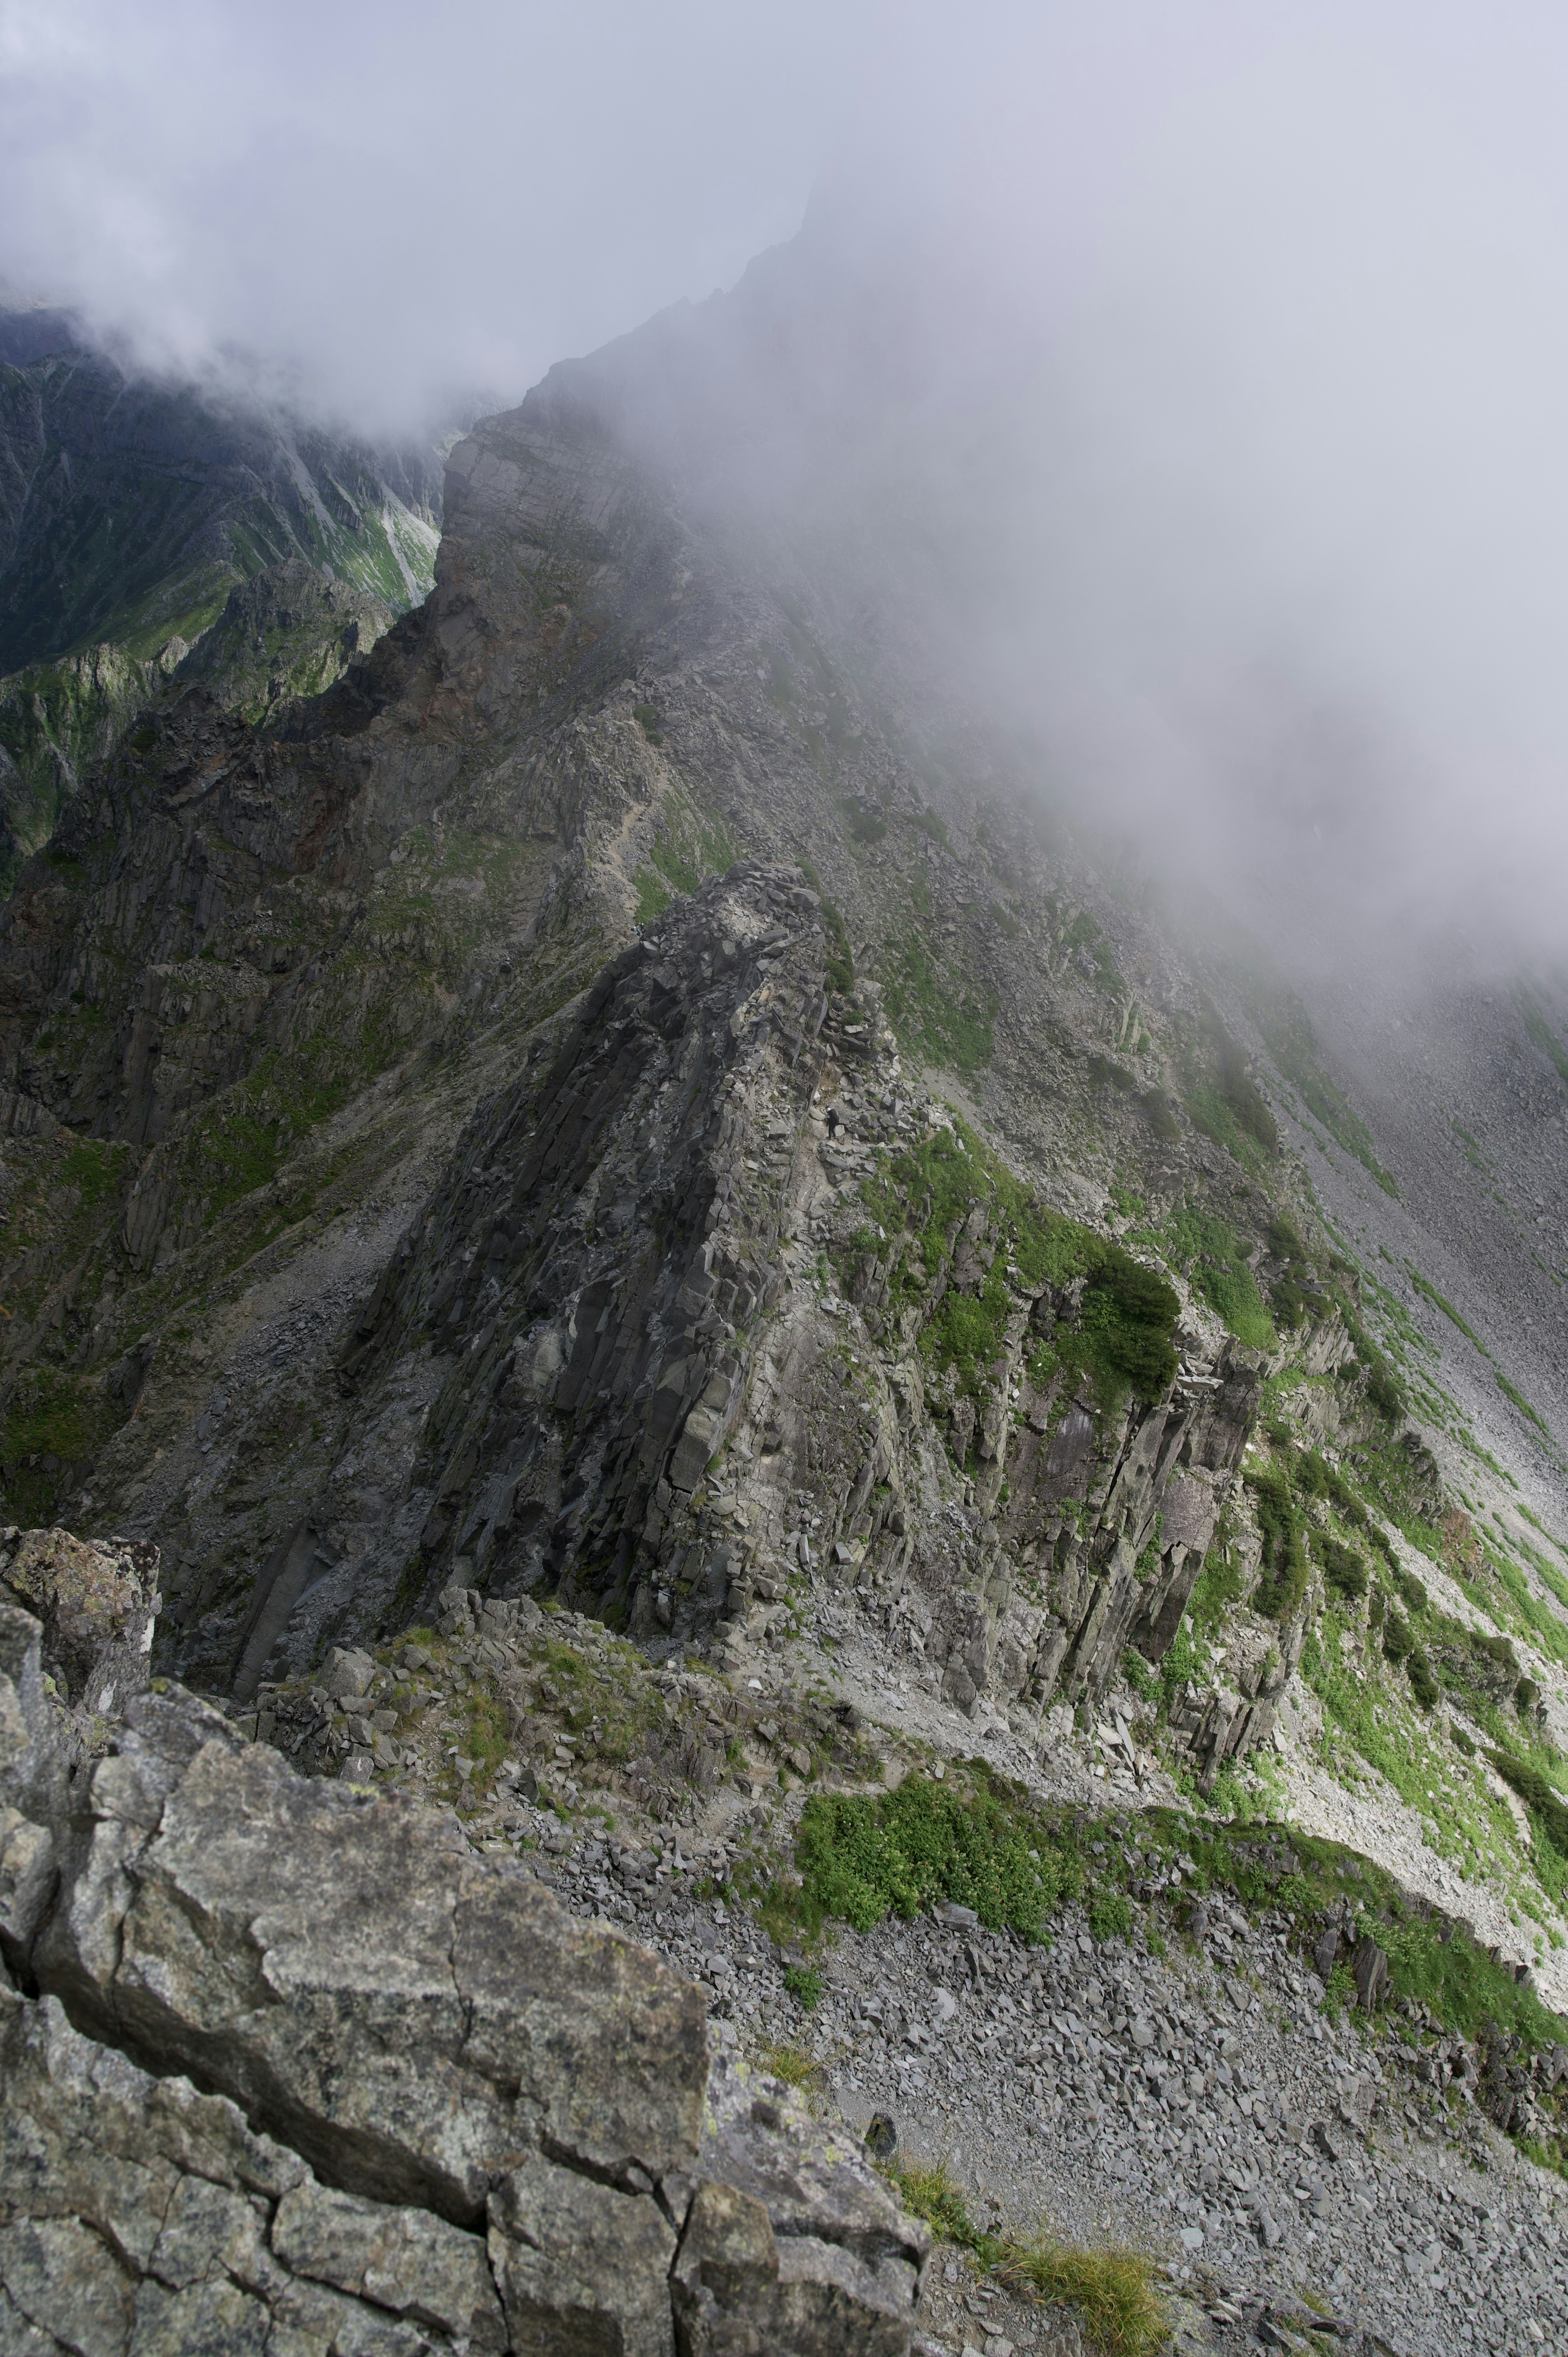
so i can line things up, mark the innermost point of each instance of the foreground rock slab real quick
(287, 2066)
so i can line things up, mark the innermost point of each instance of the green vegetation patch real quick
(55, 1421)
(1541, 1031)
(96, 1167)
(1285, 1565)
(1292, 1042)
(243, 1139)
(1217, 1260)
(1111, 2288)
(1084, 933)
(1511, 1391)
(690, 846)
(1295, 1293)
(1429, 1292)
(1224, 1101)
(861, 1859)
(923, 1199)
(935, 1014)
(1545, 1805)
(840, 973)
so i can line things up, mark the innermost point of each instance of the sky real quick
(1207, 365)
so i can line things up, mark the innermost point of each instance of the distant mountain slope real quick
(129, 510)
(631, 1099)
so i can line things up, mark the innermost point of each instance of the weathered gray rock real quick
(404, 2015)
(581, 2265)
(437, 2111)
(790, 2242)
(96, 1601)
(348, 1673)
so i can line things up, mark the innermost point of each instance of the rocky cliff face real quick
(582, 702)
(608, 1108)
(283, 2060)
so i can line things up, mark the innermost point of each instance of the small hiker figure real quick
(833, 1122)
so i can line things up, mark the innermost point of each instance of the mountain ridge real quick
(598, 1107)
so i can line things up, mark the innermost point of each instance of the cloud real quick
(384, 202)
(1228, 454)
(1199, 372)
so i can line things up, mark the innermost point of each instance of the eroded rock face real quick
(615, 1224)
(286, 2065)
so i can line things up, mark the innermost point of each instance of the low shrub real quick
(1112, 2289)
(804, 1985)
(862, 1859)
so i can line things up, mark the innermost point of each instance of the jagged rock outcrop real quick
(638, 1401)
(412, 1187)
(129, 509)
(280, 2055)
(615, 1225)
(285, 634)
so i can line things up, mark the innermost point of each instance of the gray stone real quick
(348, 1673)
(397, 2012)
(743, 2291)
(400, 2259)
(1370, 1966)
(96, 1601)
(494, 2090)
(581, 2265)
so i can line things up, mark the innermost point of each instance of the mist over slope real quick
(871, 432)
(679, 1091)
(132, 507)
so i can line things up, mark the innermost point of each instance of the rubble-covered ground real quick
(1176, 2074)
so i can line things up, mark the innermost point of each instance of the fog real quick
(1196, 376)
(377, 206)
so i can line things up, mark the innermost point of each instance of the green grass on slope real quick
(1291, 1040)
(1205, 1248)
(1111, 2288)
(861, 1858)
(1123, 1340)
(1541, 1032)
(1429, 1292)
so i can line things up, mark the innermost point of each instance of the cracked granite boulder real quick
(287, 2066)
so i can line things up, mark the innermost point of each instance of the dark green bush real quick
(1398, 1642)
(1424, 1685)
(862, 1859)
(1413, 1595)
(1129, 1315)
(1541, 1799)
(1343, 1568)
(1109, 1915)
(839, 959)
(1285, 1569)
(804, 1985)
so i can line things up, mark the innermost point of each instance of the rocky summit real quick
(780, 1576)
